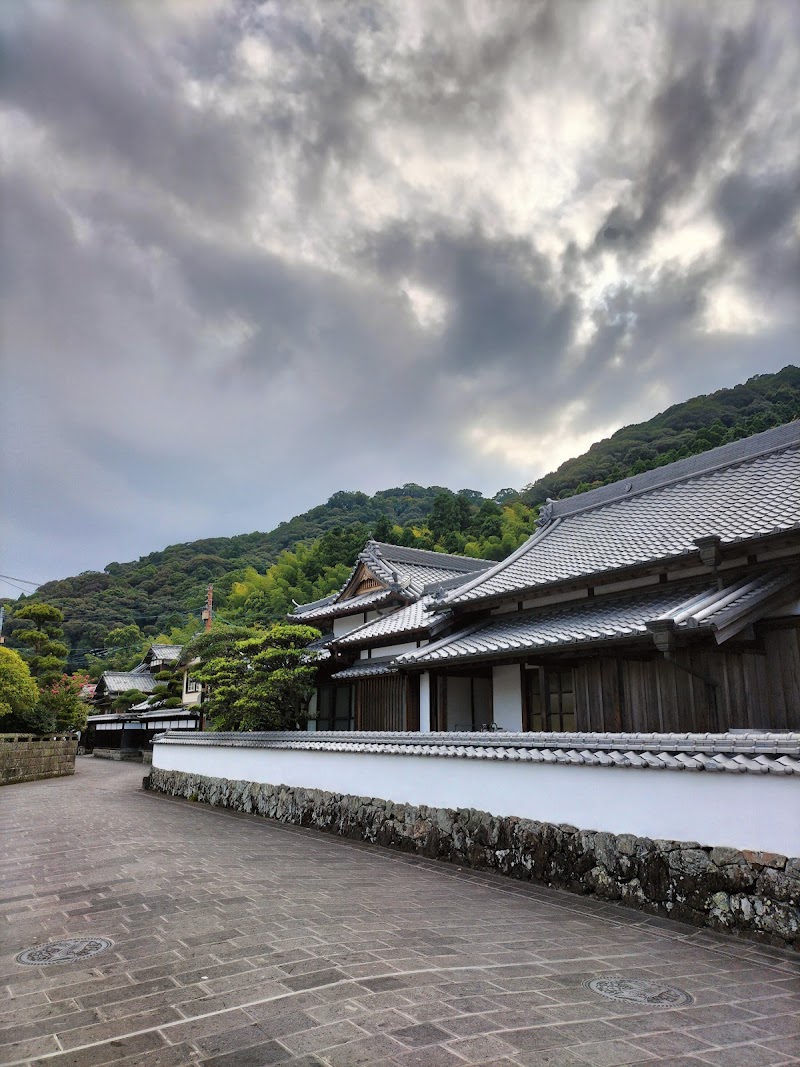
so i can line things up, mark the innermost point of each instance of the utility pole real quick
(2, 621)
(208, 611)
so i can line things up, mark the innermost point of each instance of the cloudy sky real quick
(254, 253)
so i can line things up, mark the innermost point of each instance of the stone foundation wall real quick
(27, 758)
(755, 893)
(130, 755)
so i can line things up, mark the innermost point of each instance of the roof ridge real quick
(732, 454)
(498, 568)
(404, 554)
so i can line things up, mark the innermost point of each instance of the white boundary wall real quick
(751, 811)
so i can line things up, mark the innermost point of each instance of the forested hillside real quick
(257, 575)
(682, 430)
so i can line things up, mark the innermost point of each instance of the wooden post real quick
(208, 611)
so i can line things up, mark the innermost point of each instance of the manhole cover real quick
(70, 950)
(638, 990)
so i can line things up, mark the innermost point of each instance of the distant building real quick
(128, 734)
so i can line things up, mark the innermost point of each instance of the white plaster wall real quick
(394, 650)
(425, 703)
(507, 696)
(347, 623)
(752, 811)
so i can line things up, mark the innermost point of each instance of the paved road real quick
(238, 942)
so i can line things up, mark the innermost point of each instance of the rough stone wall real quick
(26, 758)
(756, 893)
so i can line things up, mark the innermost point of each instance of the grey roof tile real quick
(165, 652)
(738, 492)
(405, 572)
(686, 606)
(367, 668)
(410, 619)
(122, 681)
(732, 753)
(355, 604)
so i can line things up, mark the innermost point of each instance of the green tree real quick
(257, 679)
(125, 701)
(61, 705)
(19, 693)
(446, 515)
(44, 637)
(383, 530)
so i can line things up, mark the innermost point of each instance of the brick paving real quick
(240, 943)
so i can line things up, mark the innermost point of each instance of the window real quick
(335, 707)
(192, 686)
(550, 699)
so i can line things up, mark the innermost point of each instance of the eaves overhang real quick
(690, 558)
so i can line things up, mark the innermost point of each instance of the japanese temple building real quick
(666, 602)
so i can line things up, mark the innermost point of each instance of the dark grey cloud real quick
(704, 98)
(254, 253)
(102, 89)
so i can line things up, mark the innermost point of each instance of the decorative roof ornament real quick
(545, 514)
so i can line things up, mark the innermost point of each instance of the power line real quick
(14, 585)
(25, 581)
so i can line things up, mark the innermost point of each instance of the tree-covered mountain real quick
(683, 430)
(257, 575)
(157, 591)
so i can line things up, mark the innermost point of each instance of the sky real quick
(254, 253)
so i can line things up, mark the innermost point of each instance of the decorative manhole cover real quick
(70, 950)
(638, 990)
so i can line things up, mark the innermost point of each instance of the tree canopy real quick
(19, 693)
(256, 678)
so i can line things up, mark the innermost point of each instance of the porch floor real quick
(241, 942)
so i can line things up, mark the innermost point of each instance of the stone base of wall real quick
(751, 893)
(27, 758)
(116, 754)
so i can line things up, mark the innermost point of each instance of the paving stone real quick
(613, 1053)
(743, 1056)
(674, 1043)
(787, 1046)
(729, 1033)
(483, 1049)
(338, 948)
(424, 1034)
(229, 1040)
(322, 1037)
(109, 1052)
(553, 1057)
(364, 1051)
(316, 978)
(256, 1056)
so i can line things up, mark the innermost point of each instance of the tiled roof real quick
(408, 620)
(751, 752)
(409, 572)
(165, 652)
(366, 668)
(726, 611)
(739, 492)
(355, 604)
(611, 618)
(314, 605)
(122, 681)
(320, 647)
(420, 557)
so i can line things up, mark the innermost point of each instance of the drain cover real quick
(638, 990)
(70, 950)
